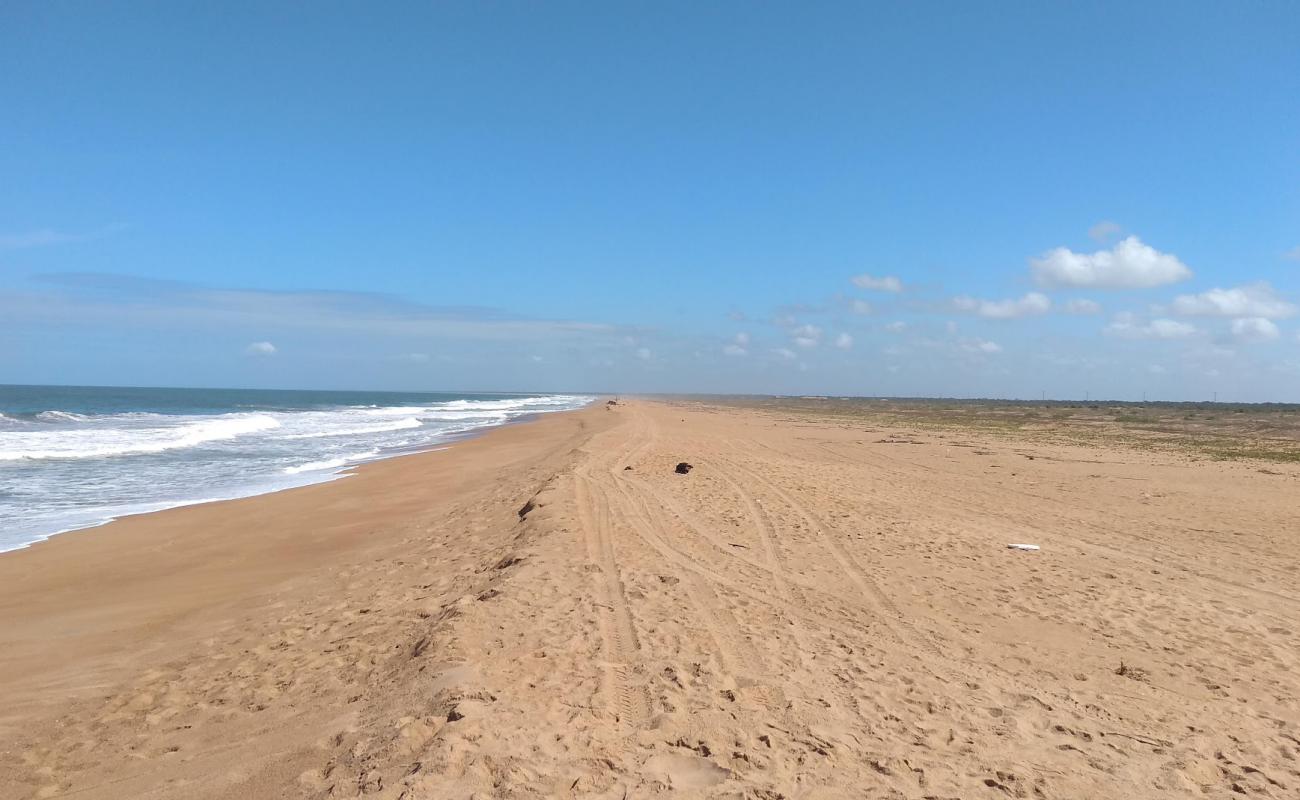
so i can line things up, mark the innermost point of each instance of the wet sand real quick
(819, 608)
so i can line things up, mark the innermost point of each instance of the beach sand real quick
(822, 607)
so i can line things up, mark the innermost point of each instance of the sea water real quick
(76, 457)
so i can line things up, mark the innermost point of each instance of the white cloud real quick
(1254, 329)
(1104, 230)
(786, 353)
(414, 358)
(1128, 327)
(261, 349)
(162, 304)
(807, 335)
(45, 237)
(979, 346)
(844, 341)
(1031, 304)
(1292, 255)
(643, 353)
(860, 307)
(1082, 306)
(738, 346)
(896, 327)
(536, 359)
(38, 238)
(1156, 369)
(887, 283)
(1252, 300)
(1130, 264)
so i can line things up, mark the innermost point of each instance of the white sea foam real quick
(62, 471)
(400, 425)
(331, 463)
(96, 443)
(61, 416)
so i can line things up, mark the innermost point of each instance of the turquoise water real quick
(74, 457)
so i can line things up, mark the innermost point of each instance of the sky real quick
(994, 199)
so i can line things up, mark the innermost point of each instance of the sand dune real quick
(817, 609)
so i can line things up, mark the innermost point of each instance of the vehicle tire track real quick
(627, 696)
(888, 610)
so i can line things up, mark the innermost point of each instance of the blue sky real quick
(1068, 198)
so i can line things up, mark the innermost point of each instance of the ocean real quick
(74, 457)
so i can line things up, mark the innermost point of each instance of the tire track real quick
(889, 612)
(628, 698)
(763, 524)
(839, 686)
(737, 657)
(701, 534)
(858, 631)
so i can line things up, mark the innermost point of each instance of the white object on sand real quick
(1024, 547)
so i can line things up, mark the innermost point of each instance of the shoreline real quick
(327, 475)
(79, 614)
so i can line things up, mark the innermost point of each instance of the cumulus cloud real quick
(260, 349)
(1103, 231)
(1128, 327)
(887, 283)
(1252, 300)
(844, 341)
(979, 346)
(1082, 306)
(1130, 264)
(1254, 329)
(1031, 304)
(807, 335)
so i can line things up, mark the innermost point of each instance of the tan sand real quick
(818, 609)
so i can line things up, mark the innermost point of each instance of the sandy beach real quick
(824, 606)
